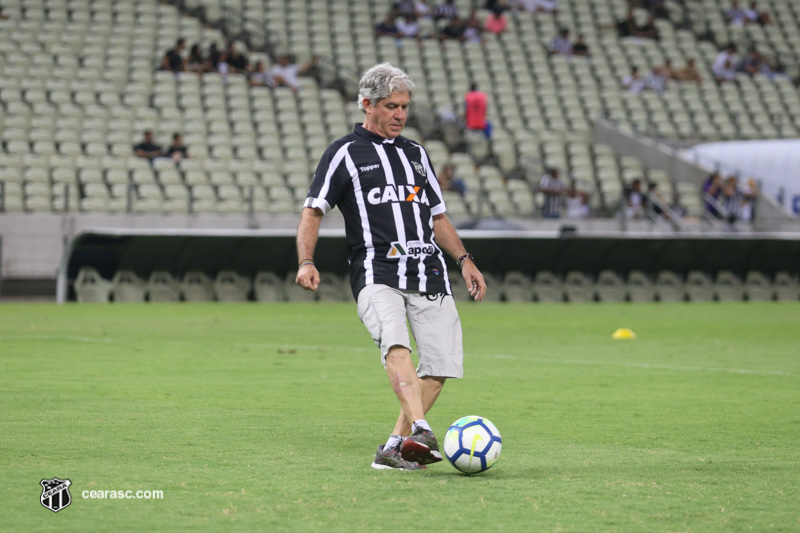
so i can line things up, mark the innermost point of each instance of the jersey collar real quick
(373, 137)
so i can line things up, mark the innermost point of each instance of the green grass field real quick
(258, 417)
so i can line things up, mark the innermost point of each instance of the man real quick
(147, 148)
(173, 58)
(387, 191)
(285, 73)
(177, 150)
(476, 103)
(553, 189)
(724, 67)
(561, 43)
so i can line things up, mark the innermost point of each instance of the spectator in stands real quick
(497, 6)
(656, 80)
(561, 44)
(538, 6)
(476, 104)
(423, 10)
(749, 193)
(408, 27)
(724, 67)
(648, 30)
(576, 203)
(634, 81)
(634, 200)
(473, 28)
(450, 182)
(454, 30)
(553, 190)
(285, 73)
(712, 189)
(3, 16)
(388, 27)
(496, 22)
(173, 58)
(627, 26)
(731, 199)
(195, 62)
(177, 150)
(236, 62)
(754, 63)
(579, 47)
(447, 10)
(688, 73)
(654, 200)
(259, 77)
(213, 59)
(147, 148)
(735, 15)
(403, 8)
(657, 8)
(754, 16)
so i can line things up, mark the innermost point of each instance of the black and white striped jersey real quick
(388, 193)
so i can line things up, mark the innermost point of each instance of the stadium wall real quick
(497, 252)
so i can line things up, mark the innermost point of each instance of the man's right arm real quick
(307, 235)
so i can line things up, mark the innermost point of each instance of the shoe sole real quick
(387, 467)
(416, 452)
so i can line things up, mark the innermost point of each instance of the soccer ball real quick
(472, 444)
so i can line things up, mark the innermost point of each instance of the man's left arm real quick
(447, 238)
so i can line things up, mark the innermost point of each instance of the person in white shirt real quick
(735, 16)
(561, 44)
(633, 81)
(285, 73)
(724, 67)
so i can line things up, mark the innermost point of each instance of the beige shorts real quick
(433, 320)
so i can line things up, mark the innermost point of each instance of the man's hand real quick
(476, 285)
(308, 277)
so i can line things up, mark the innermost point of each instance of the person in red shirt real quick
(476, 104)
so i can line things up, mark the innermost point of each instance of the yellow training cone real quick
(623, 333)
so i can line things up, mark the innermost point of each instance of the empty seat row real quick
(198, 286)
(665, 286)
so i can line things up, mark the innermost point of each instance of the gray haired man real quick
(397, 233)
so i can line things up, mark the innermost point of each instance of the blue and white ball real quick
(472, 444)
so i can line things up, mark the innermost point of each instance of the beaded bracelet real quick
(464, 258)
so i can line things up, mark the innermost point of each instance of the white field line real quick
(645, 365)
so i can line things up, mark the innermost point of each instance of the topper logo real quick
(369, 167)
(397, 193)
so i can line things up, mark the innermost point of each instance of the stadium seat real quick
(90, 286)
(128, 287)
(639, 287)
(268, 287)
(609, 287)
(787, 288)
(197, 287)
(578, 287)
(162, 287)
(669, 287)
(547, 287)
(330, 288)
(229, 286)
(757, 287)
(728, 287)
(517, 287)
(294, 292)
(699, 287)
